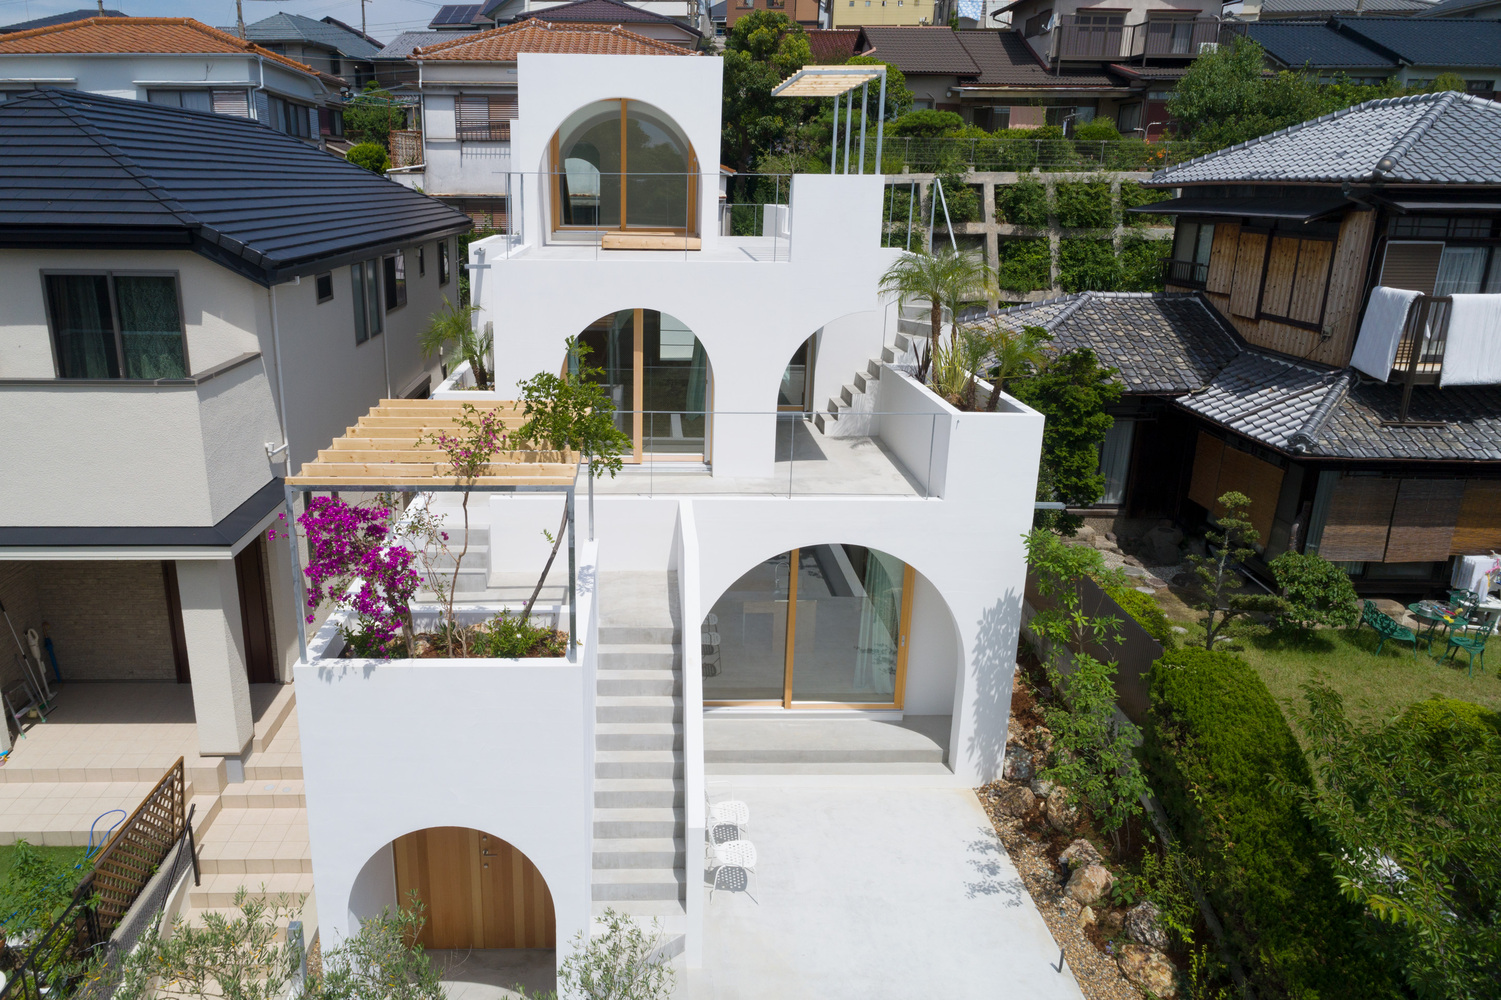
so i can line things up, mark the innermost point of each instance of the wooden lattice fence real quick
(139, 847)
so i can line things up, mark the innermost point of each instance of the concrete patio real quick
(874, 887)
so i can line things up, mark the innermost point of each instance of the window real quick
(1481, 87)
(621, 165)
(325, 283)
(422, 262)
(1128, 119)
(1038, 23)
(443, 264)
(1190, 261)
(223, 102)
(330, 122)
(290, 118)
(116, 325)
(485, 117)
(396, 280)
(365, 281)
(1115, 461)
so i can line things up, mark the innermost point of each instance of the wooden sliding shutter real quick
(1423, 520)
(1206, 471)
(1312, 282)
(1412, 265)
(1219, 468)
(1478, 527)
(1281, 265)
(1222, 257)
(1360, 517)
(485, 116)
(1245, 289)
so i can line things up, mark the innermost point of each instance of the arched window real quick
(623, 165)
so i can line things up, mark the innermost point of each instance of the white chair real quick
(712, 658)
(726, 821)
(730, 859)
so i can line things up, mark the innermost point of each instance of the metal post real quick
(881, 120)
(573, 582)
(849, 120)
(290, 493)
(864, 87)
(834, 141)
(591, 498)
(911, 200)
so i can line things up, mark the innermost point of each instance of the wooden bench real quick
(648, 241)
(1387, 627)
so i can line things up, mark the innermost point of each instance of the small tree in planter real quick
(454, 325)
(945, 278)
(348, 544)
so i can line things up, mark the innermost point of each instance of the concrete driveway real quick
(872, 887)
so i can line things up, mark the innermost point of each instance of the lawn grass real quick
(68, 855)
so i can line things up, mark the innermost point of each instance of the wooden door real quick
(478, 890)
(255, 618)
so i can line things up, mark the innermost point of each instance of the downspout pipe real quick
(281, 392)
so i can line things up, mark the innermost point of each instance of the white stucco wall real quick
(130, 75)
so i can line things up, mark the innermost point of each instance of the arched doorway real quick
(657, 374)
(622, 165)
(478, 890)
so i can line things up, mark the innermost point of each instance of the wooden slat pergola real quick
(391, 449)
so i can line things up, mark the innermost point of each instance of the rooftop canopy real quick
(392, 446)
(827, 81)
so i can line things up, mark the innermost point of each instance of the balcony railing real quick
(406, 147)
(1084, 38)
(1420, 352)
(1184, 272)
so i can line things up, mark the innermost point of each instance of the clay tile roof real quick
(604, 12)
(158, 35)
(505, 44)
(920, 50)
(832, 45)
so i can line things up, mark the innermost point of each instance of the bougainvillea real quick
(348, 544)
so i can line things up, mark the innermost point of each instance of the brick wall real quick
(108, 619)
(18, 593)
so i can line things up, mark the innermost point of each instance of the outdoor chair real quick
(1387, 627)
(736, 858)
(712, 658)
(726, 821)
(1472, 640)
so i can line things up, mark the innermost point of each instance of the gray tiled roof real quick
(1160, 343)
(920, 50)
(82, 14)
(1311, 7)
(1461, 43)
(1296, 44)
(1469, 419)
(296, 28)
(1004, 59)
(1266, 398)
(402, 45)
(1448, 8)
(1446, 138)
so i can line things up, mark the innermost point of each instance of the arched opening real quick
(657, 374)
(478, 891)
(821, 626)
(795, 394)
(622, 165)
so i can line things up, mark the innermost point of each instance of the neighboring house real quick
(1326, 342)
(1411, 51)
(328, 45)
(1481, 9)
(808, 13)
(1277, 10)
(468, 95)
(690, 13)
(731, 600)
(394, 69)
(82, 14)
(833, 46)
(607, 13)
(860, 13)
(175, 62)
(193, 303)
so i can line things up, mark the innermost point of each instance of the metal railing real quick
(1184, 272)
(1420, 351)
(1048, 154)
(1084, 38)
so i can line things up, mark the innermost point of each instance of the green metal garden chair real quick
(1387, 627)
(1471, 639)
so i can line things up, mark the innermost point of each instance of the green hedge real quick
(1214, 739)
(1141, 263)
(1088, 265)
(1024, 203)
(1133, 195)
(1025, 265)
(1144, 610)
(1084, 205)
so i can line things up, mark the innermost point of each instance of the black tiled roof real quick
(1161, 343)
(1270, 399)
(82, 14)
(83, 170)
(1004, 59)
(1468, 418)
(1317, 45)
(1431, 41)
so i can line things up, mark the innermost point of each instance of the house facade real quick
(165, 353)
(760, 564)
(1326, 344)
(175, 62)
(327, 45)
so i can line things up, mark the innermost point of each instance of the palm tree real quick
(948, 278)
(1014, 353)
(455, 325)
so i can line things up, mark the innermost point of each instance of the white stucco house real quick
(167, 347)
(805, 546)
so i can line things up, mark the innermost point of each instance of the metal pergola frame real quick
(290, 491)
(837, 82)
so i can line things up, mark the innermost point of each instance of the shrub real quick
(1141, 264)
(926, 124)
(1096, 130)
(1133, 195)
(1144, 611)
(1085, 205)
(1024, 203)
(964, 201)
(1088, 265)
(1439, 713)
(370, 155)
(1025, 265)
(1318, 593)
(508, 636)
(1214, 742)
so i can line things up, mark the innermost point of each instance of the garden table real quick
(1436, 614)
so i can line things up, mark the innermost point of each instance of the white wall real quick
(130, 75)
(932, 653)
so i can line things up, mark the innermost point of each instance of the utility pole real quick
(239, 18)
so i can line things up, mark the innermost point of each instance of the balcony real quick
(1184, 273)
(1101, 38)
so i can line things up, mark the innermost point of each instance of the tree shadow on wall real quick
(994, 659)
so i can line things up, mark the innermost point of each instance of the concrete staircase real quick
(638, 763)
(842, 417)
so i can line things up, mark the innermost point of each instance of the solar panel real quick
(458, 13)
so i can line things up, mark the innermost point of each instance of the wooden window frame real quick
(555, 199)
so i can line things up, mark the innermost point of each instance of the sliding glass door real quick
(816, 627)
(657, 374)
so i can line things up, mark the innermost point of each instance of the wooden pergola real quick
(391, 450)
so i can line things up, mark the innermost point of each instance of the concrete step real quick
(670, 913)
(917, 740)
(864, 382)
(638, 736)
(634, 824)
(638, 683)
(287, 794)
(268, 771)
(873, 370)
(821, 423)
(638, 883)
(637, 656)
(888, 355)
(633, 634)
(219, 890)
(637, 764)
(644, 708)
(637, 793)
(639, 852)
(847, 394)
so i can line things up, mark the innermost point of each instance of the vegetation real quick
(1221, 584)
(1214, 740)
(1412, 810)
(1025, 265)
(370, 155)
(36, 885)
(1088, 266)
(453, 326)
(761, 49)
(514, 637)
(945, 279)
(1145, 612)
(1024, 203)
(1140, 263)
(1097, 130)
(371, 115)
(1133, 195)
(1317, 593)
(925, 123)
(1013, 354)
(1072, 392)
(1084, 204)
(622, 963)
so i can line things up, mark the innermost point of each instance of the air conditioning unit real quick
(1207, 47)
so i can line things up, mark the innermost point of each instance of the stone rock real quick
(1041, 737)
(1061, 816)
(1160, 546)
(1149, 969)
(1111, 922)
(1085, 534)
(1018, 765)
(1144, 925)
(1080, 854)
(1040, 788)
(1088, 884)
(1015, 800)
(1180, 630)
(1134, 563)
(1086, 916)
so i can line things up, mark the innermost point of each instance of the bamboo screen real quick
(1477, 529)
(138, 848)
(1423, 520)
(1360, 517)
(1218, 469)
